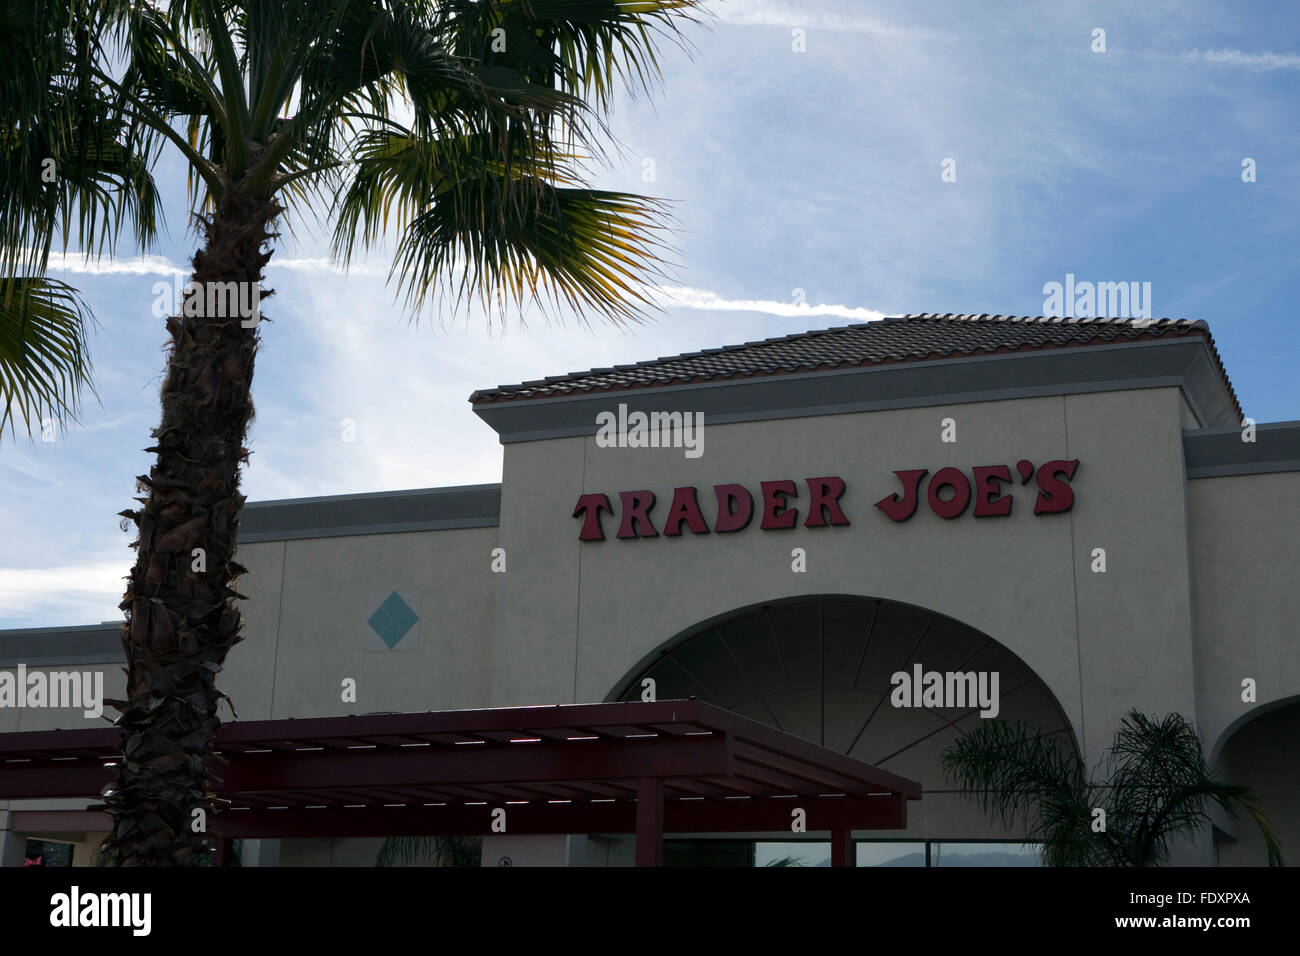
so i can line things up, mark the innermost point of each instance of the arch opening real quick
(822, 667)
(1259, 750)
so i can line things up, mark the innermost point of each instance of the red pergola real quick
(676, 766)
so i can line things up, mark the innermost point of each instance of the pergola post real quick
(650, 822)
(222, 851)
(841, 847)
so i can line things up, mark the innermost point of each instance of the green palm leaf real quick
(479, 228)
(44, 362)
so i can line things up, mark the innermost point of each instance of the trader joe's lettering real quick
(949, 493)
(1054, 494)
(735, 509)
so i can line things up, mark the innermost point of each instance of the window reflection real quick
(890, 853)
(984, 854)
(802, 853)
(788, 853)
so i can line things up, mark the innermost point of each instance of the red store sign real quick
(949, 493)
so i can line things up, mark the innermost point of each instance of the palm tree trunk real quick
(181, 616)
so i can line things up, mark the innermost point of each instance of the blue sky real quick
(816, 170)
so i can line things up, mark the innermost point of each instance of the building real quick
(1071, 505)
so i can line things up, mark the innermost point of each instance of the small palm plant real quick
(1158, 787)
(435, 851)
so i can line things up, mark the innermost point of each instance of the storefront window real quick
(984, 854)
(707, 852)
(802, 853)
(47, 853)
(890, 853)
(783, 853)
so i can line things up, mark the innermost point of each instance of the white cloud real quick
(161, 265)
(684, 297)
(134, 265)
(764, 13)
(324, 265)
(69, 594)
(1256, 62)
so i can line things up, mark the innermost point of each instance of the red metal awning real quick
(679, 766)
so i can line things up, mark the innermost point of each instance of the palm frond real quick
(1023, 778)
(476, 227)
(589, 250)
(44, 362)
(70, 165)
(589, 48)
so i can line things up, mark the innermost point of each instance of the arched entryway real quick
(1261, 750)
(820, 668)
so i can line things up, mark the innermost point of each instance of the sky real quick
(803, 147)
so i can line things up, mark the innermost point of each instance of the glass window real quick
(706, 853)
(739, 853)
(890, 853)
(985, 854)
(47, 853)
(803, 853)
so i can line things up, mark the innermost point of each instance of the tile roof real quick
(907, 338)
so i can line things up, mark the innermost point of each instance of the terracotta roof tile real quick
(908, 338)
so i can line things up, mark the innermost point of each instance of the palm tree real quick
(1157, 787)
(461, 124)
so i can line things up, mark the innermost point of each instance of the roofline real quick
(1188, 362)
(1152, 329)
(382, 512)
(1220, 452)
(44, 647)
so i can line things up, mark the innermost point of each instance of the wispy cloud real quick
(324, 265)
(133, 265)
(765, 13)
(79, 262)
(1256, 62)
(684, 297)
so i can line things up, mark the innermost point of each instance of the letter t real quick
(590, 507)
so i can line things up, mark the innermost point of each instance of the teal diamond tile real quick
(392, 620)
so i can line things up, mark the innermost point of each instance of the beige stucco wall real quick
(1245, 551)
(305, 628)
(1102, 642)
